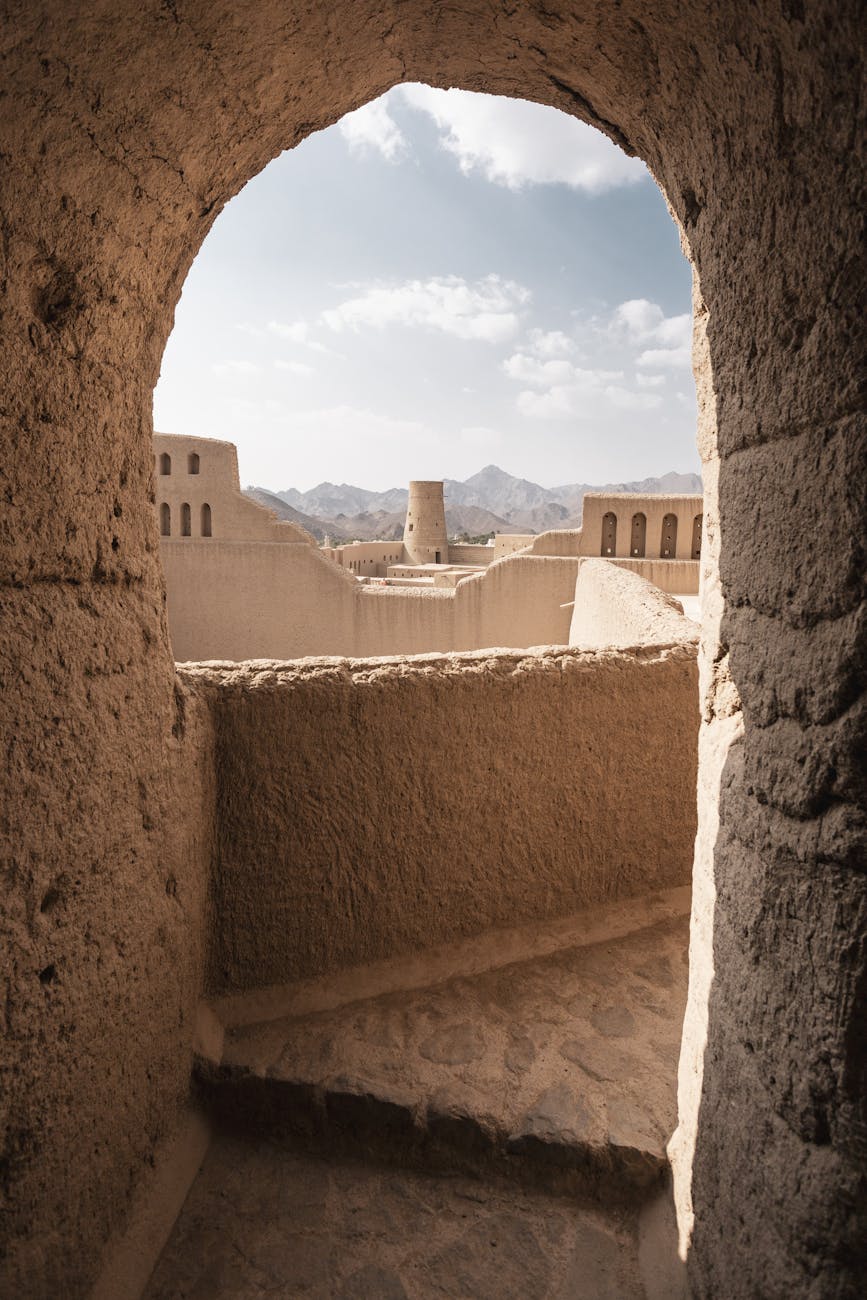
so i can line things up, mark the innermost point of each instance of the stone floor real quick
(263, 1222)
(498, 1133)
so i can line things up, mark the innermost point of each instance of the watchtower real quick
(424, 533)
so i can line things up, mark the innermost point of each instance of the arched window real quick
(193, 462)
(638, 540)
(165, 520)
(206, 520)
(186, 520)
(609, 534)
(697, 526)
(668, 544)
(165, 463)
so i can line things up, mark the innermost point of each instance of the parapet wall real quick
(367, 809)
(255, 600)
(615, 607)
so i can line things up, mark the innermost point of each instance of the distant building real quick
(243, 584)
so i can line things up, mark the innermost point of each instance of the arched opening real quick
(186, 520)
(697, 527)
(668, 541)
(706, 111)
(609, 534)
(165, 519)
(165, 463)
(638, 534)
(206, 520)
(193, 462)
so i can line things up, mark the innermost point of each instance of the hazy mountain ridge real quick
(490, 501)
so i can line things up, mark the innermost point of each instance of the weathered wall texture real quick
(614, 607)
(257, 600)
(108, 849)
(367, 809)
(125, 129)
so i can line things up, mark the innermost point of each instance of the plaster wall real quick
(615, 607)
(467, 553)
(369, 559)
(368, 809)
(255, 600)
(625, 505)
(215, 483)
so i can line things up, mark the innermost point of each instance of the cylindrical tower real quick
(424, 533)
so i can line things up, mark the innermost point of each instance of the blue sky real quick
(439, 281)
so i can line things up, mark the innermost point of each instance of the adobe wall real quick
(686, 509)
(469, 553)
(373, 808)
(125, 129)
(252, 600)
(366, 559)
(614, 607)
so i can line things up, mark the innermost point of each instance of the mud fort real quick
(470, 930)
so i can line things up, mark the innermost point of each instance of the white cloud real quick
(350, 422)
(373, 128)
(640, 321)
(294, 367)
(542, 374)
(487, 310)
(295, 331)
(514, 142)
(626, 399)
(650, 381)
(550, 343)
(656, 357)
(236, 368)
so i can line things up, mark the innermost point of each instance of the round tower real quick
(424, 533)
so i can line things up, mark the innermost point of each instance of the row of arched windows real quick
(186, 520)
(638, 536)
(192, 463)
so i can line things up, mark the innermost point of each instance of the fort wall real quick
(255, 600)
(351, 820)
(616, 607)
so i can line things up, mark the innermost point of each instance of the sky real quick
(441, 281)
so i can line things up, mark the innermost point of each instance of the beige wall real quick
(615, 607)
(254, 600)
(215, 484)
(748, 116)
(369, 809)
(625, 505)
(466, 553)
(509, 543)
(366, 559)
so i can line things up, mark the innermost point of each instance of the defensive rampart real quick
(371, 808)
(245, 600)
(615, 607)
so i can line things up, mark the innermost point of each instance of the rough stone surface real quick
(431, 1076)
(125, 129)
(262, 1221)
(368, 808)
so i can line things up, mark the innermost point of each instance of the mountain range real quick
(490, 501)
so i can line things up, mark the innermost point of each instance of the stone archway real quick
(126, 129)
